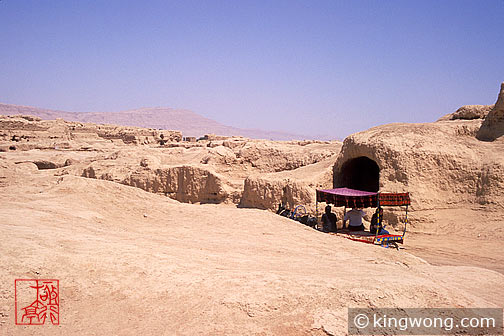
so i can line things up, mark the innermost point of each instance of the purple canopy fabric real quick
(348, 192)
(361, 199)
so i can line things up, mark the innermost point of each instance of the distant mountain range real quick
(188, 122)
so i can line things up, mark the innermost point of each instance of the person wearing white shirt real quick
(354, 217)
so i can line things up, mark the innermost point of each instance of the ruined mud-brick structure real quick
(444, 165)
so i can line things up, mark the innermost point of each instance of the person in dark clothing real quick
(329, 220)
(374, 222)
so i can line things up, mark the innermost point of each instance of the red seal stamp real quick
(36, 301)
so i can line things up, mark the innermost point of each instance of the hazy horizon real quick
(333, 68)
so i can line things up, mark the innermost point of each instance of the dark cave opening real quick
(360, 173)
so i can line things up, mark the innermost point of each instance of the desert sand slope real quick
(132, 262)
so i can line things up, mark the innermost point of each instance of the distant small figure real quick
(354, 217)
(374, 222)
(329, 220)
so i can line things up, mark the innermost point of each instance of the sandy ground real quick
(131, 262)
(457, 250)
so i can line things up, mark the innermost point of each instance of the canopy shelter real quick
(361, 199)
(365, 199)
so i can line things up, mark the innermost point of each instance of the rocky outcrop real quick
(231, 171)
(215, 169)
(469, 112)
(186, 183)
(162, 171)
(267, 193)
(276, 157)
(493, 126)
(27, 132)
(292, 188)
(441, 166)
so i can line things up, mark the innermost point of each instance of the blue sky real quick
(309, 67)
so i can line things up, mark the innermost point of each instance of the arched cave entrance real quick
(360, 173)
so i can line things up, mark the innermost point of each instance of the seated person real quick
(374, 222)
(355, 219)
(328, 220)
